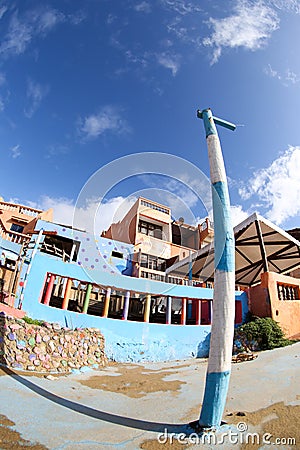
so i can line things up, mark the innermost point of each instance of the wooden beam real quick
(262, 247)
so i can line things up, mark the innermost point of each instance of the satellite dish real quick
(181, 220)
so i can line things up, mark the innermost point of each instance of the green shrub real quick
(261, 334)
(33, 321)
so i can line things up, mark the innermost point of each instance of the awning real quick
(260, 246)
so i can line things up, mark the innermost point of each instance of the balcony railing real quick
(13, 236)
(27, 210)
(287, 292)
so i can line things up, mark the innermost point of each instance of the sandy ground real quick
(129, 406)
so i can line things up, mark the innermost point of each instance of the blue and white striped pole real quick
(222, 329)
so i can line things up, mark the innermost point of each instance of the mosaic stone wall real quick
(49, 347)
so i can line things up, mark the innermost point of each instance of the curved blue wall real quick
(125, 340)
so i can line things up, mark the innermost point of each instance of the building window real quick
(150, 229)
(153, 262)
(152, 276)
(177, 280)
(117, 254)
(61, 247)
(17, 228)
(144, 260)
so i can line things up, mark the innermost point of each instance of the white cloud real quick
(2, 79)
(145, 60)
(77, 17)
(112, 211)
(111, 18)
(169, 62)
(18, 37)
(168, 188)
(35, 94)
(277, 187)
(272, 72)
(250, 26)
(287, 78)
(142, 60)
(56, 150)
(286, 5)
(108, 119)
(47, 19)
(144, 7)
(238, 214)
(35, 23)
(94, 216)
(3, 10)
(2, 104)
(15, 151)
(23, 30)
(291, 77)
(182, 7)
(182, 192)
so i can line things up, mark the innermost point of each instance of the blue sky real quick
(83, 83)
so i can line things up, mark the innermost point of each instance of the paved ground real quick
(128, 406)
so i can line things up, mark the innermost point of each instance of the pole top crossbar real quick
(217, 120)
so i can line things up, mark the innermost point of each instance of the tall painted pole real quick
(222, 329)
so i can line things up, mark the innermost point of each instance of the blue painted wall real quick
(95, 252)
(245, 305)
(125, 340)
(10, 246)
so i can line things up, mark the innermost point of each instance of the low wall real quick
(129, 341)
(11, 311)
(50, 347)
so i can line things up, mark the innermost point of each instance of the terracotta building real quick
(17, 222)
(158, 240)
(277, 296)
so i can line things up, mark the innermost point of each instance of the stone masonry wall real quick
(49, 348)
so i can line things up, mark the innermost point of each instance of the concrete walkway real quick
(128, 406)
